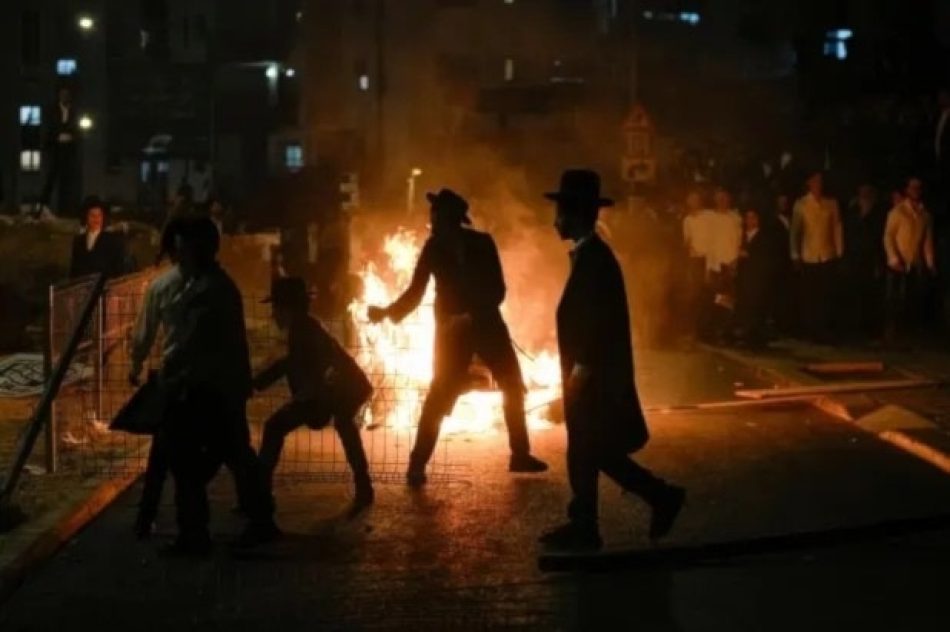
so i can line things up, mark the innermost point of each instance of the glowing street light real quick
(411, 189)
(272, 72)
(85, 122)
(289, 73)
(86, 23)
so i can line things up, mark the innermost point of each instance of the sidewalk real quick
(916, 420)
(57, 506)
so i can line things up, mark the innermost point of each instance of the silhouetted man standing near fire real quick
(604, 420)
(208, 381)
(469, 288)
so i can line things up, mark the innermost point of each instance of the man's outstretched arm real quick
(412, 297)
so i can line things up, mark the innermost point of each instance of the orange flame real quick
(399, 357)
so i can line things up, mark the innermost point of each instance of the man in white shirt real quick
(817, 243)
(723, 241)
(725, 234)
(161, 310)
(909, 244)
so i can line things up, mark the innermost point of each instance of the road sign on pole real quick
(638, 163)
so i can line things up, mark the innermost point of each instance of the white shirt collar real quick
(582, 242)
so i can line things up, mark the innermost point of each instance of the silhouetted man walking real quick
(209, 378)
(469, 288)
(604, 420)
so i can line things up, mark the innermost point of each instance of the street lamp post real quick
(411, 190)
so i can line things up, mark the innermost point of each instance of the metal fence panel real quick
(84, 410)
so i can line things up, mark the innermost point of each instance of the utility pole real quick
(380, 38)
(633, 13)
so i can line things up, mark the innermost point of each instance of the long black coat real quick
(311, 351)
(106, 257)
(473, 284)
(593, 328)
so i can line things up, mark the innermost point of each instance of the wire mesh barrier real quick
(84, 409)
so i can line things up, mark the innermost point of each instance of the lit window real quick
(293, 157)
(30, 115)
(509, 69)
(686, 17)
(509, 1)
(30, 160)
(66, 67)
(836, 43)
(689, 18)
(364, 83)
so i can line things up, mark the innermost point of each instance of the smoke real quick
(506, 203)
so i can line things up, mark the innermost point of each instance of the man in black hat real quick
(207, 378)
(95, 249)
(604, 420)
(325, 383)
(469, 288)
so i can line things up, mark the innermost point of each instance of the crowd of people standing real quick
(810, 267)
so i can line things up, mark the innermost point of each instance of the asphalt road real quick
(463, 555)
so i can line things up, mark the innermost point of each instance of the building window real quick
(293, 156)
(509, 69)
(30, 115)
(66, 67)
(686, 17)
(836, 43)
(30, 160)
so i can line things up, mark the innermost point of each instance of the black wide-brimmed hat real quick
(93, 201)
(450, 203)
(580, 185)
(289, 292)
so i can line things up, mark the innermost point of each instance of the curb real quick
(66, 526)
(836, 407)
(687, 556)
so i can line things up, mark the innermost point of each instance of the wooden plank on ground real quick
(832, 368)
(830, 389)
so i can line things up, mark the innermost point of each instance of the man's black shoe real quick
(665, 511)
(525, 463)
(573, 537)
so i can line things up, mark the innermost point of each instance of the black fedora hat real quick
(580, 185)
(451, 203)
(288, 291)
(93, 201)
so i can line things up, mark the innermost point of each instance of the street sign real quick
(638, 163)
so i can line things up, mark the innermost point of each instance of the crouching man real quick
(325, 384)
